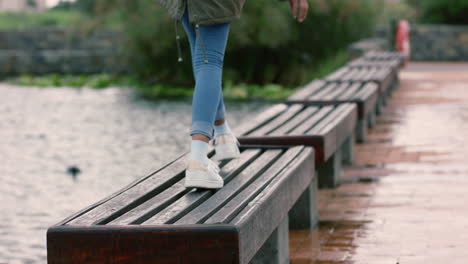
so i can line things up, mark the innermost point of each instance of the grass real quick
(330, 64)
(15, 21)
(231, 91)
(271, 92)
(57, 80)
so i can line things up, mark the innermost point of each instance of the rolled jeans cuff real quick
(201, 127)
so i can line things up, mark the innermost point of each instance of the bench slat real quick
(274, 203)
(233, 207)
(323, 92)
(308, 90)
(288, 114)
(330, 120)
(349, 91)
(368, 95)
(303, 116)
(261, 119)
(134, 196)
(338, 91)
(159, 202)
(312, 121)
(151, 206)
(224, 195)
(337, 74)
(329, 129)
(194, 198)
(329, 94)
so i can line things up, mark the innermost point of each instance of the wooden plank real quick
(384, 78)
(336, 128)
(134, 196)
(92, 206)
(167, 198)
(346, 77)
(260, 119)
(280, 120)
(199, 214)
(369, 96)
(307, 91)
(369, 75)
(290, 140)
(349, 91)
(150, 207)
(327, 129)
(335, 92)
(233, 207)
(194, 198)
(373, 75)
(296, 121)
(348, 125)
(273, 204)
(135, 244)
(360, 74)
(311, 121)
(330, 121)
(337, 74)
(323, 92)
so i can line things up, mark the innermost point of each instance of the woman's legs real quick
(207, 105)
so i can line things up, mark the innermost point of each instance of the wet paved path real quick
(406, 199)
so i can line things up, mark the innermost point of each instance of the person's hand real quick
(299, 9)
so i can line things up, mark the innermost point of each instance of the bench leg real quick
(276, 249)
(304, 214)
(371, 120)
(385, 99)
(361, 130)
(380, 106)
(389, 95)
(329, 173)
(395, 81)
(348, 150)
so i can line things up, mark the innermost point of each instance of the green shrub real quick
(265, 46)
(442, 11)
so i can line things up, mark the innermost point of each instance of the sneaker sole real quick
(226, 155)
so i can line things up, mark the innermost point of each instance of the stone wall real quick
(439, 42)
(58, 50)
(431, 42)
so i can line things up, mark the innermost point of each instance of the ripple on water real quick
(112, 136)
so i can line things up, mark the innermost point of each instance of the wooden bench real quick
(385, 56)
(364, 95)
(329, 129)
(384, 77)
(157, 220)
(363, 62)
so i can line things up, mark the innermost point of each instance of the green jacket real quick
(205, 12)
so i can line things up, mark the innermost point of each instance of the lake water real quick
(111, 135)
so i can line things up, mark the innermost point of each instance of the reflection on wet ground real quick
(62, 149)
(406, 199)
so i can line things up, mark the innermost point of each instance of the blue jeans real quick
(207, 103)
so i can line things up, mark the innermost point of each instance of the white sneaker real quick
(226, 147)
(199, 176)
(214, 166)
